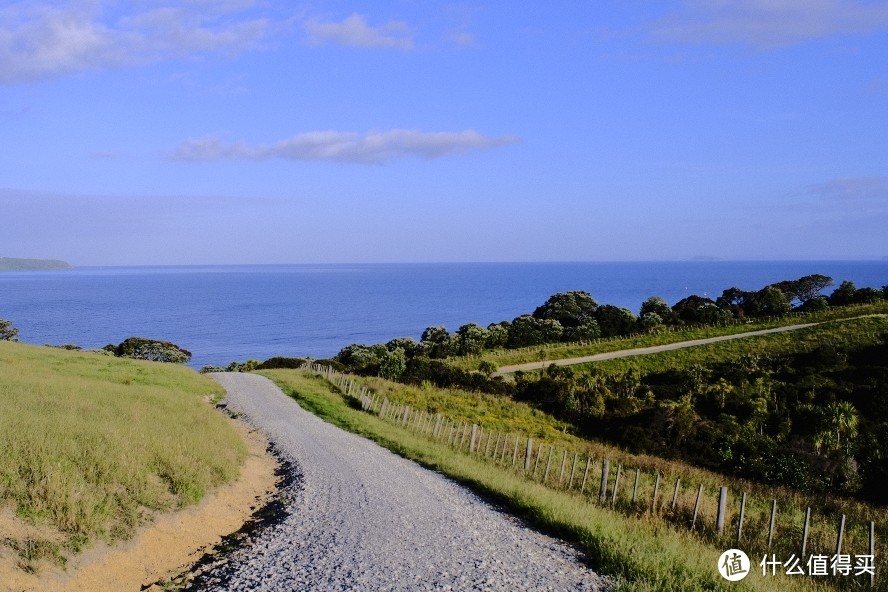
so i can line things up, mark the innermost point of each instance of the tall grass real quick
(93, 445)
(858, 332)
(644, 550)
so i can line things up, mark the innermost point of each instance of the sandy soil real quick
(159, 551)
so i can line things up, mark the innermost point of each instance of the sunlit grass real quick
(93, 445)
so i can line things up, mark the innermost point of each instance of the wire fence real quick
(791, 539)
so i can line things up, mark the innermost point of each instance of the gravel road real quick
(643, 351)
(362, 518)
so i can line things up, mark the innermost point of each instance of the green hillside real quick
(94, 445)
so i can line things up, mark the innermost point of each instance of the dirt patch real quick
(159, 551)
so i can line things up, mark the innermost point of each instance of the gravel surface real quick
(362, 518)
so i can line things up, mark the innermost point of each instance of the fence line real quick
(475, 440)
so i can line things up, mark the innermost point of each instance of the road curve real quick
(363, 518)
(642, 351)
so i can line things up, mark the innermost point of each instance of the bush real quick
(281, 362)
(7, 331)
(152, 350)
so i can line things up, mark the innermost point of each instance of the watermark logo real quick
(733, 565)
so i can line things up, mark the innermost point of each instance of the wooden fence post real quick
(528, 453)
(472, 437)
(536, 463)
(841, 535)
(675, 493)
(602, 489)
(548, 463)
(616, 484)
(771, 524)
(465, 434)
(805, 531)
(740, 520)
(722, 510)
(635, 487)
(573, 470)
(586, 473)
(872, 551)
(697, 506)
(515, 452)
(654, 497)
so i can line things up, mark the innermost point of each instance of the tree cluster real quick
(816, 420)
(575, 316)
(153, 350)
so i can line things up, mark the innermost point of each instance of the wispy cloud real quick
(108, 154)
(461, 15)
(852, 189)
(355, 32)
(768, 24)
(41, 39)
(350, 147)
(879, 86)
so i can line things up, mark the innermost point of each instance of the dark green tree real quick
(153, 350)
(615, 320)
(408, 344)
(657, 306)
(688, 309)
(358, 357)
(487, 368)
(437, 342)
(768, 301)
(393, 364)
(497, 335)
(587, 330)
(568, 308)
(867, 296)
(844, 294)
(470, 339)
(805, 288)
(528, 330)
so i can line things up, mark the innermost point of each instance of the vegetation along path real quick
(362, 518)
(641, 351)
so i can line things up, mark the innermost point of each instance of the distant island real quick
(11, 264)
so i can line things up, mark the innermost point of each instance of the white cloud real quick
(40, 39)
(766, 24)
(355, 32)
(352, 147)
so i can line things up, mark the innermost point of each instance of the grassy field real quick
(859, 331)
(644, 550)
(509, 357)
(94, 445)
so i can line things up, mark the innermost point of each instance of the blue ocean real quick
(227, 313)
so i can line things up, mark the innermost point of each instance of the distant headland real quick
(11, 264)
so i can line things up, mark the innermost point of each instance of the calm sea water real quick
(232, 313)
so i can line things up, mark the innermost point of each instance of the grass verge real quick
(94, 445)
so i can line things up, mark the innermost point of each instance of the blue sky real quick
(241, 131)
